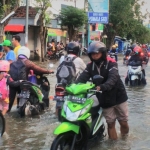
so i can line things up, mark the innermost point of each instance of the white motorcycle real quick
(135, 75)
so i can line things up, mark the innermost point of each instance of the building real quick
(17, 23)
(16, 26)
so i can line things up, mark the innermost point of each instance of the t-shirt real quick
(16, 50)
(10, 56)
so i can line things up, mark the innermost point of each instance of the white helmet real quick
(24, 51)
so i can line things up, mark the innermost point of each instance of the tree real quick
(73, 18)
(43, 6)
(125, 20)
(6, 7)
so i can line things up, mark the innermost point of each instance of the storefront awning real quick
(14, 28)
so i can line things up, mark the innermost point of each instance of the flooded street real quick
(37, 133)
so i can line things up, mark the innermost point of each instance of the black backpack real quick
(18, 70)
(66, 71)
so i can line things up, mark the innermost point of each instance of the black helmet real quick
(73, 48)
(96, 47)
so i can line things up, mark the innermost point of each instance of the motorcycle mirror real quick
(97, 79)
(51, 65)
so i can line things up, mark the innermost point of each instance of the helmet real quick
(24, 51)
(137, 49)
(114, 46)
(73, 48)
(133, 46)
(96, 47)
(4, 65)
(144, 46)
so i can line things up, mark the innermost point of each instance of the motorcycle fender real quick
(65, 127)
(134, 77)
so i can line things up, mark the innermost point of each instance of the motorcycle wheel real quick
(46, 56)
(126, 81)
(134, 82)
(2, 124)
(63, 142)
(21, 111)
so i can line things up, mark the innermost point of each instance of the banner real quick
(98, 5)
(56, 32)
(95, 35)
(98, 11)
(99, 27)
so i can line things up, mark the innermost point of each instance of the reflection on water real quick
(37, 133)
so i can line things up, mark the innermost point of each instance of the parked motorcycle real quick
(81, 121)
(33, 97)
(54, 54)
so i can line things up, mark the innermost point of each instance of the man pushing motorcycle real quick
(113, 99)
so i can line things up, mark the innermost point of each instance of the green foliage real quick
(125, 20)
(7, 6)
(73, 18)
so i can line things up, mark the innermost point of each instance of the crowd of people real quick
(20, 56)
(113, 99)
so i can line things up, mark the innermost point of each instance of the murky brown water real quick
(37, 133)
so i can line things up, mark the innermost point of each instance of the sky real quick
(144, 7)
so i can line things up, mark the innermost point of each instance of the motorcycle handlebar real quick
(95, 91)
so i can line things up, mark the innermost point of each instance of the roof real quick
(21, 12)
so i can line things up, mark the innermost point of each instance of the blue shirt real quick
(10, 56)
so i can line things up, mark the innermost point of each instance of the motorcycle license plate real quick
(22, 101)
(76, 99)
(58, 98)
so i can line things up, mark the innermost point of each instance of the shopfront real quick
(57, 34)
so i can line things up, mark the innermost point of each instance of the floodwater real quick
(37, 133)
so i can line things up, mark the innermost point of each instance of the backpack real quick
(18, 70)
(4, 88)
(66, 71)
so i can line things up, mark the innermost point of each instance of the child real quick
(5, 80)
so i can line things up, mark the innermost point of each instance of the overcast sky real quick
(145, 6)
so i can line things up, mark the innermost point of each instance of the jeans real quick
(12, 95)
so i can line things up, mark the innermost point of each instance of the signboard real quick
(98, 5)
(148, 25)
(56, 32)
(99, 27)
(98, 17)
(95, 35)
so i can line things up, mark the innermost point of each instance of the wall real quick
(56, 4)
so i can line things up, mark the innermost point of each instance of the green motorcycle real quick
(82, 122)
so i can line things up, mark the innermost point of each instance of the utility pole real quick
(75, 3)
(83, 30)
(26, 27)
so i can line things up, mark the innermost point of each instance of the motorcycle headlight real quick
(84, 109)
(73, 116)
